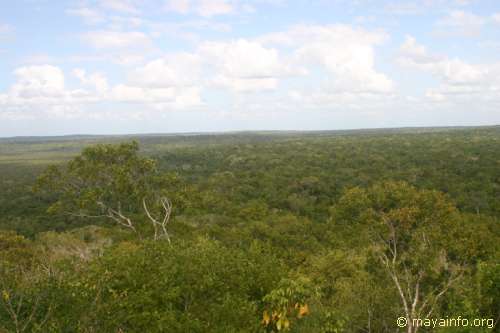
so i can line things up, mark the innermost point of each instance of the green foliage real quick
(196, 286)
(110, 175)
(287, 303)
(266, 228)
(23, 293)
(108, 182)
(410, 233)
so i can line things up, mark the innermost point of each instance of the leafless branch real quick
(167, 207)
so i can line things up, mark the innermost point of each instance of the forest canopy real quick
(251, 232)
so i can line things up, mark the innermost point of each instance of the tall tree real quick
(411, 234)
(112, 182)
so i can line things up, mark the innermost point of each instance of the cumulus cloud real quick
(347, 54)
(453, 71)
(243, 65)
(414, 53)
(337, 60)
(180, 69)
(38, 83)
(96, 80)
(41, 90)
(172, 81)
(458, 79)
(244, 59)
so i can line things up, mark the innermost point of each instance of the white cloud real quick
(496, 18)
(126, 93)
(336, 61)
(416, 53)
(246, 85)
(339, 100)
(126, 59)
(181, 69)
(178, 6)
(119, 47)
(96, 80)
(205, 8)
(346, 53)
(404, 8)
(418, 7)
(453, 71)
(460, 23)
(458, 79)
(104, 13)
(34, 82)
(172, 81)
(41, 90)
(208, 8)
(188, 30)
(126, 6)
(89, 16)
(244, 59)
(121, 58)
(125, 22)
(159, 98)
(211, 8)
(243, 65)
(38, 59)
(117, 39)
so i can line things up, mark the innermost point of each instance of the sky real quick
(168, 66)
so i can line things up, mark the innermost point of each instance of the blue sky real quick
(143, 66)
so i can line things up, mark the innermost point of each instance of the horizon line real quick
(225, 132)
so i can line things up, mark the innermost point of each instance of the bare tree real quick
(417, 303)
(410, 232)
(160, 224)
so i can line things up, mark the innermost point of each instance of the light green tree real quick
(411, 234)
(112, 182)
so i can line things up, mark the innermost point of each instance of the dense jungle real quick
(334, 231)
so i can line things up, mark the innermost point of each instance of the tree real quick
(410, 233)
(112, 182)
(287, 303)
(198, 286)
(24, 305)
